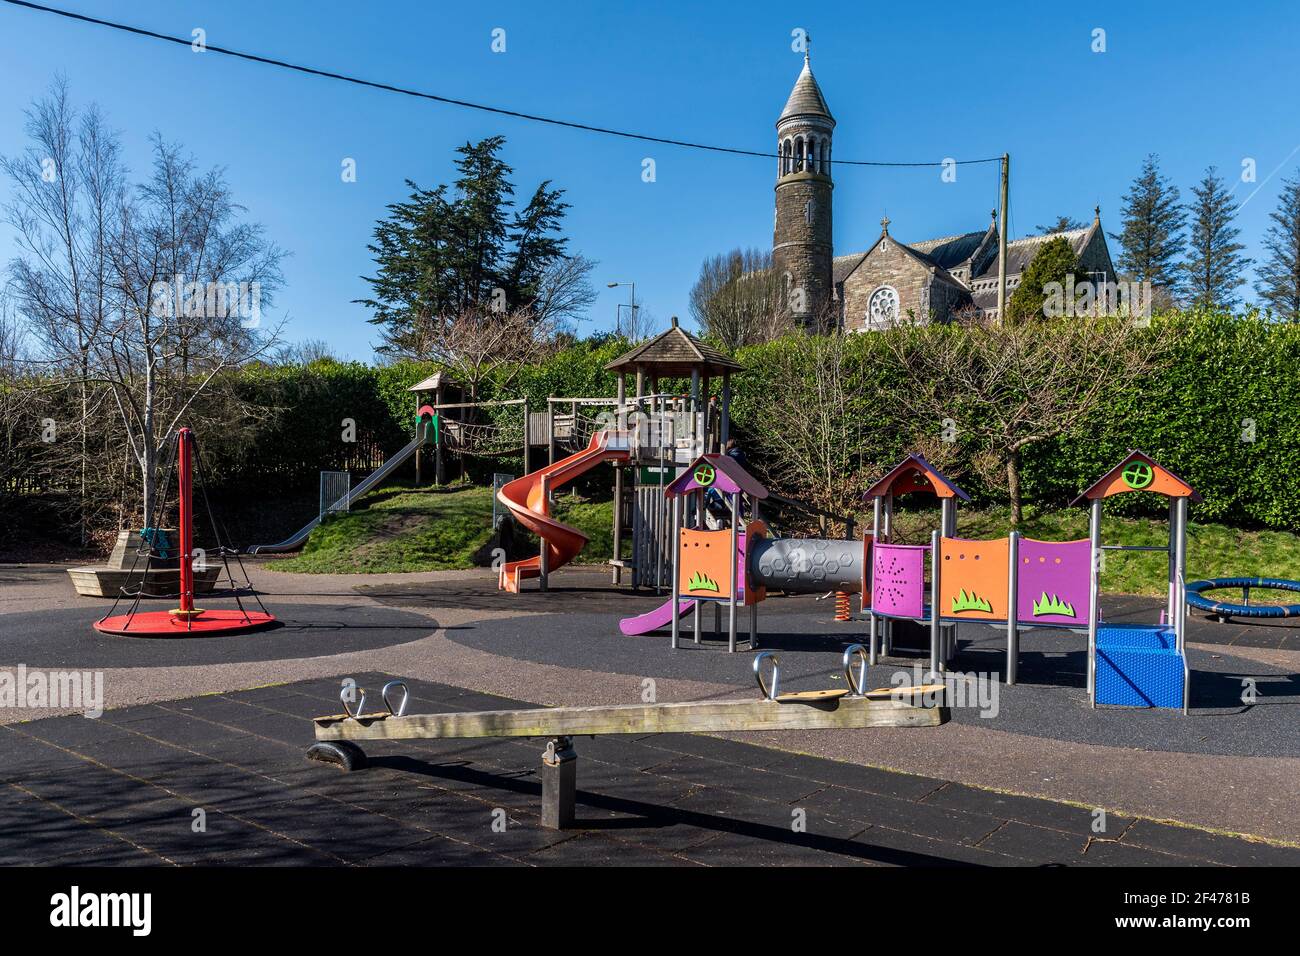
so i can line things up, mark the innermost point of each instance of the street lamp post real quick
(631, 305)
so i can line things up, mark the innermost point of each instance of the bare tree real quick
(995, 390)
(67, 200)
(565, 292)
(738, 299)
(150, 293)
(475, 346)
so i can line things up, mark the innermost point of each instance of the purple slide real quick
(653, 620)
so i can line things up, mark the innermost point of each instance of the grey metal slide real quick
(295, 541)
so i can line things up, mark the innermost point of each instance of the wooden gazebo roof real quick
(674, 352)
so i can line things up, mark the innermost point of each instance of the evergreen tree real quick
(1151, 241)
(1214, 265)
(1062, 224)
(1279, 275)
(445, 252)
(1054, 263)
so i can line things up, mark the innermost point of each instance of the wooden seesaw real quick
(853, 708)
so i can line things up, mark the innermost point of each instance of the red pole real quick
(183, 448)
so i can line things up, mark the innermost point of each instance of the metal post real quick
(550, 431)
(559, 783)
(527, 469)
(185, 492)
(724, 426)
(1094, 539)
(735, 560)
(1171, 597)
(1002, 240)
(887, 531)
(935, 538)
(699, 526)
(544, 557)
(675, 544)
(1013, 598)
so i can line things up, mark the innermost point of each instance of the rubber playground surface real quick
(221, 725)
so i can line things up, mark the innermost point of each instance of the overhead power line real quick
(450, 101)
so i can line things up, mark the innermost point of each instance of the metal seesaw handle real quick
(769, 693)
(361, 704)
(857, 681)
(406, 696)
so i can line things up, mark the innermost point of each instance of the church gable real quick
(892, 282)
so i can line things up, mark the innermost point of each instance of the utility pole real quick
(1002, 241)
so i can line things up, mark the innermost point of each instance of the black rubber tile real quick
(883, 846)
(263, 695)
(759, 783)
(217, 784)
(168, 830)
(23, 757)
(91, 791)
(347, 833)
(509, 785)
(72, 733)
(439, 851)
(118, 853)
(733, 811)
(511, 832)
(1036, 845)
(715, 748)
(621, 750)
(904, 786)
(1206, 847)
(181, 730)
(787, 849)
(1031, 810)
(39, 832)
(593, 849)
(122, 716)
(1107, 853)
(305, 706)
(948, 826)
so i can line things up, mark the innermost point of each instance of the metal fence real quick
(335, 492)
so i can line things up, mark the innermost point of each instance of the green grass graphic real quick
(970, 602)
(1052, 605)
(700, 582)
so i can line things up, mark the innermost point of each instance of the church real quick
(934, 280)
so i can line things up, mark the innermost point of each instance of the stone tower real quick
(801, 241)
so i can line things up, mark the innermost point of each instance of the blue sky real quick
(1200, 84)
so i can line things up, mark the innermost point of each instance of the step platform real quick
(1139, 666)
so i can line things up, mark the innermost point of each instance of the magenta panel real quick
(1053, 582)
(898, 579)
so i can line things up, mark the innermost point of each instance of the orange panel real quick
(1139, 476)
(704, 565)
(973, 579)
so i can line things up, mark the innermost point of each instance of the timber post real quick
(559, 783)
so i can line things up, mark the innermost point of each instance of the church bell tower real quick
(801, 241)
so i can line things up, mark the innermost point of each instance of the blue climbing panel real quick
(1139, 666)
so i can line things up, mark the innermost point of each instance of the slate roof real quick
(806, 98)
(951, 251)
(675, 352)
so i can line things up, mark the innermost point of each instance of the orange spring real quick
(842, 609)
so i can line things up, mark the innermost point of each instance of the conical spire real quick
(806, 98)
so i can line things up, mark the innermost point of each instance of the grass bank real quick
(399, 528)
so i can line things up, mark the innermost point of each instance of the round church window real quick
(882, 308)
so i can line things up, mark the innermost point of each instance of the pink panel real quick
(1053, 582)
(898, 579)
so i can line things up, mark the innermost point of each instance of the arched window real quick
(882, 308)
(799, 150)
(787, 158)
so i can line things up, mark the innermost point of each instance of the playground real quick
(907, 698)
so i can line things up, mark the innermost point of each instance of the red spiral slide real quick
(527, 499)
